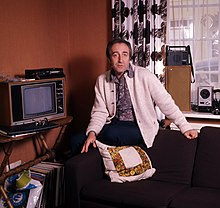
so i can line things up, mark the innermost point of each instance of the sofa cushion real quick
(144, 193)
(125, 163)
(197, 198)
(172, 155)
(207, 168)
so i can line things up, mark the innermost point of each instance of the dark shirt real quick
(124, 108)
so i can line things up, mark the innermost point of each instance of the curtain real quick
(143, 24)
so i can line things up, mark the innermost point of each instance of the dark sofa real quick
(187, 176)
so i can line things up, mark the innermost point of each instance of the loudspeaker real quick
(205, 96)
(178, 84)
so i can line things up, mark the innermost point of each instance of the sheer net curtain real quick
(196, 23)
(144, 25)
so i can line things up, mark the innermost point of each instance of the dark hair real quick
(114, 41)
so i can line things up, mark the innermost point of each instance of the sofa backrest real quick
(172, 154)
(207, 166)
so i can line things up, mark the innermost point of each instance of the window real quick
(196, 23)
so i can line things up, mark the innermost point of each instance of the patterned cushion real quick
(125, 163)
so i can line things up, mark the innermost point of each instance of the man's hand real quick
(90, 140)
(191, 134)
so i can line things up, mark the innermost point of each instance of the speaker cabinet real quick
(178, 84)
(205, 96)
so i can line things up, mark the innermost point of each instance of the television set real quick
(30, 101)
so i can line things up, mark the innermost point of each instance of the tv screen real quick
(38, 100)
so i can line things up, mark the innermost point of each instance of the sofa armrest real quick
(80, 170)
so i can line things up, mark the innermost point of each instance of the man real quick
(124, 108)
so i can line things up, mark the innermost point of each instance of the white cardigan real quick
(145, 91)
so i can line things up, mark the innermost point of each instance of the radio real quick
(177, 55)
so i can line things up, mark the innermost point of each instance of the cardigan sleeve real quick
(166, 104)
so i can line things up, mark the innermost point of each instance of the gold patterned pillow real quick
(125, 163)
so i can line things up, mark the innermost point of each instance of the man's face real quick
(120, 58)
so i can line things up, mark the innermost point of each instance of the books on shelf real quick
(51, 176)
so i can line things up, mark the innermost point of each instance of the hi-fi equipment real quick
(180, 56)
(178, 84)
(216, 102)
(205, 96)
(44, 73)
(177, 55)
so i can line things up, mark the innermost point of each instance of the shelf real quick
(199, 120)
(47, 153)
(202, 115)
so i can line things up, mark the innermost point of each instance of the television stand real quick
(48, 153)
